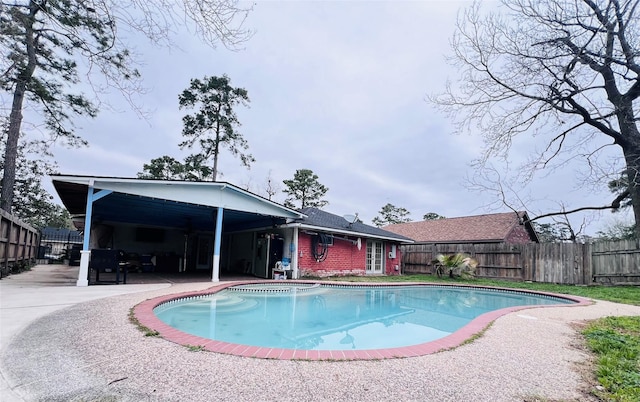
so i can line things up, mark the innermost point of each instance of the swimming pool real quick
(310, 320)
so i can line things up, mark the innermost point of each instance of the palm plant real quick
(458, 264)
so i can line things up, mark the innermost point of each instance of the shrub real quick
(459, 264)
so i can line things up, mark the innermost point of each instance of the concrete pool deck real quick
(63, 343)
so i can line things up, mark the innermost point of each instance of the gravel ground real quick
(91, 351)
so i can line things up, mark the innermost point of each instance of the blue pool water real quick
(319, 317)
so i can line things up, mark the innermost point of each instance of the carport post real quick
(85, 253)
(217, 239)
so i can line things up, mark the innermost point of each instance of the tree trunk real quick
(216, 150)
(632, 158)
(11, 148)
(15, 118)
(631, 150)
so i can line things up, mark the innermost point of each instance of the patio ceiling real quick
(174, 204)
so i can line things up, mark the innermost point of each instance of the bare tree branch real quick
(562, 71)
(615, 204)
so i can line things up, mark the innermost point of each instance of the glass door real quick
(375, 253)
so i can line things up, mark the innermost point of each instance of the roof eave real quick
(222, 186)
(346, 232)
(459, 241)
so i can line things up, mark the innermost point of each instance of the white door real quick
(204, 252)
(375, 254)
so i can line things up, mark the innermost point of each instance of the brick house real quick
(329, 245)
(182, 227)
(508, 227)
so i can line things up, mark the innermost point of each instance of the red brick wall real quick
(519, 235)
(392, 263)
(343, 258)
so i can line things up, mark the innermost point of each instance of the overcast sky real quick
(336, 87)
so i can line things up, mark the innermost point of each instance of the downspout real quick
(295, 253)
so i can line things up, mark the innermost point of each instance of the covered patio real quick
(187, 219)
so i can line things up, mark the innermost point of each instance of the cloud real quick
(335, 87)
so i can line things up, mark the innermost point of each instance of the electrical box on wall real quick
(392, 253)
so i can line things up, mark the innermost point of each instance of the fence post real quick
(14, 243)
(4, 227)
(524, 261)
(587, 270)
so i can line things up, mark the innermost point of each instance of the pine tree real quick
(215, 123)
(304, 190)
(390, 214)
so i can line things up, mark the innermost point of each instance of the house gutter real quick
(301, 226)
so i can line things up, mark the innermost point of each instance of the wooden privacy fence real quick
(18, 244)
(566, 263)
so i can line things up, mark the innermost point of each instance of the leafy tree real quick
(432, 216)
(39, 42)
(56, 217)
(304, 189)
(617, 230)
(390, 215)
(169, 168)
(620, 187)
(564, 72)
(162, 168)
(215, 123)
(33, 204)
(42, 213)
(551, 232)
(47, 45)
(194, 169)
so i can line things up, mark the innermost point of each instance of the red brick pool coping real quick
(145, 316)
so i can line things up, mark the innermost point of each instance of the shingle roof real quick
(61, 234)
(321, 219)
(478, 228)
